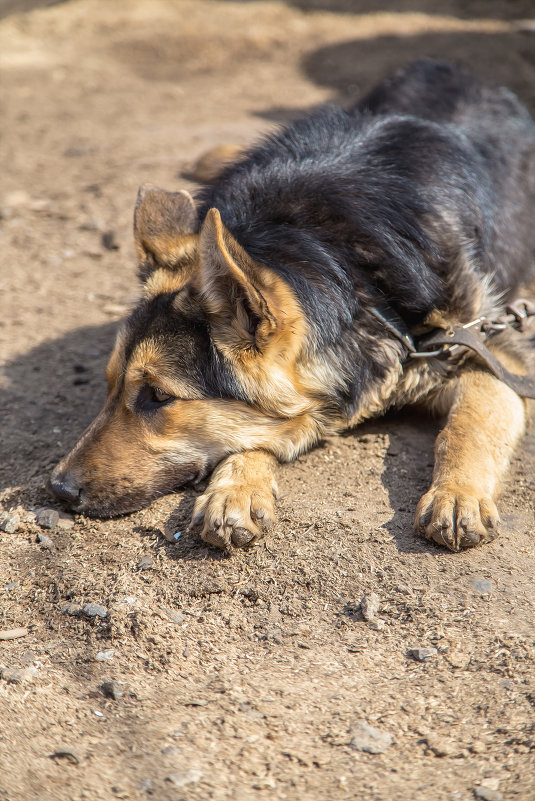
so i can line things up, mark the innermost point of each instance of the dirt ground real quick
(244, 676)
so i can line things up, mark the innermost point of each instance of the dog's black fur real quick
(406, 201)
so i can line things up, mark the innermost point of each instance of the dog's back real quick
(501, 135)
(431, 176)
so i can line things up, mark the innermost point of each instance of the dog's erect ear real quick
(241, 297)
(165, 225)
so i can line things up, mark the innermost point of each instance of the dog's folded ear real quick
(165, 226)
(248, 304)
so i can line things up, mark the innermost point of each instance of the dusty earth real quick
(248, 675)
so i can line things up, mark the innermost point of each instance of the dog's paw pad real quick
(456, 519)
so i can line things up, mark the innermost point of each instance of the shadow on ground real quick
(50, 394)
(351, 68)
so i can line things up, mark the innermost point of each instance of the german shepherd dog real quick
(275, 304)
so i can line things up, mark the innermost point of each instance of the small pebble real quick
(105, 656)
(168, 535)
(146, 562)
(173, 614)
(422, 654)
(147, 786)
(65, 523)
(376, 624)
(109, 240)
(68, 754)
(72, 609)
(95, 610)
(481, 585)
(369, 606)
(171, 750)
(47, 518)
(17, 676)
(487, 794)
(13, 634)
(441, 747)
(366, 738)
(112, 689)
(46, 543)
(490, 782)
(184, 777)
(9, 523)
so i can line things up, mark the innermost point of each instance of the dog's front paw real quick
(239, 503)
(456, 518)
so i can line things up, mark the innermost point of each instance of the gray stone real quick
(369, 606)
(72, 609)
(173, 614)
(47, 518)
(47, 543)
(487, 794)
(109, 240)
(377, 624)
(17, 675)
(366, 738)
(95, 610)
(183, 777)
(13, 634)
(9, 522)
(146, 562)
(105, 656)
(423, 654)
(481, 585)
(171, 750)
(440, 746)
(65, 523)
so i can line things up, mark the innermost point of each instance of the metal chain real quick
(518, 315)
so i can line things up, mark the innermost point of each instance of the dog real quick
(277, 307)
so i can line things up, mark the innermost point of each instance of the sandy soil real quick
(243, 676)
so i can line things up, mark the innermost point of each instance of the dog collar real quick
(444, 344)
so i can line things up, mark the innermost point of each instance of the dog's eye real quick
(152, 397)
(159, 396)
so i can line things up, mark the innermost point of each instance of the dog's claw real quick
(455, 519)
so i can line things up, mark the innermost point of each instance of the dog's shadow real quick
(407, 472)
(48, 395)
(353, 67)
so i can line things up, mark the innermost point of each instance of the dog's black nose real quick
(65, 488)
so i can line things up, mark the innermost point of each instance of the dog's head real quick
(205, 365)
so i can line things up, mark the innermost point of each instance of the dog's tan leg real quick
(239, 501)
(485, 422)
